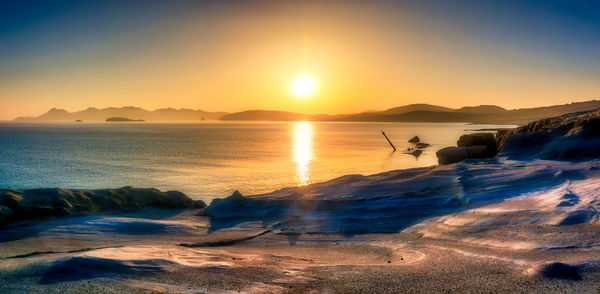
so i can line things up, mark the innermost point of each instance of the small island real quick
(121, 119)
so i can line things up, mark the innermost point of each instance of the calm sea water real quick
(212, 159)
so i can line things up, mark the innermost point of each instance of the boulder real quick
(478, 151)
(487, 139)
(450, 155)
(414, 139)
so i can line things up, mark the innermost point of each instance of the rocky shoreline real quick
(18, 205)
(573, 136)
(479, 226)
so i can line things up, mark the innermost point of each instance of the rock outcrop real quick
(574, 136)
(17, 205)
(487, 139)
(450, 155)
(471, 146)
(230, 207)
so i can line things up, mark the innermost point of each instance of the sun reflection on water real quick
(302, 151)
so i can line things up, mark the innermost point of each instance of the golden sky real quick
(244, 55)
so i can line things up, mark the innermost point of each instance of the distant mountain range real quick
(95, 114)
(490, 114)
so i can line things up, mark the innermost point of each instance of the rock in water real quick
(416, 153)
(487, 139)
(450, 155)
(475, 146)
(478, 152)
(414, 139)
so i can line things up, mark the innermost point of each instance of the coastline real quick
(525, 224)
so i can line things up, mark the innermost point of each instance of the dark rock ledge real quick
(18, 205)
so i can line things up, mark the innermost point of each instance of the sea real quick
(211, 159)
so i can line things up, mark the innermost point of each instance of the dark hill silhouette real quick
(95, 114)
(481, 109)
(414, 107)
(267, 115)
(122, 119)
(490, 114)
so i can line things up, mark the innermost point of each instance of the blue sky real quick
(49, 51)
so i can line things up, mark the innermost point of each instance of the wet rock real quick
(17, 205)
(414, 139)
(416, 153)
(487, 139)
(478, 152)
(450, 155)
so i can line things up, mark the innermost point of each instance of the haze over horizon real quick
(217, 56)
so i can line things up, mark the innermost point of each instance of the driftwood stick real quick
(388, 139)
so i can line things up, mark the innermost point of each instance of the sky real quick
(240, 55)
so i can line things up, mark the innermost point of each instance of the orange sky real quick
(240, 57)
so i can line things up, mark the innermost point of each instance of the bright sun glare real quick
(304, 86)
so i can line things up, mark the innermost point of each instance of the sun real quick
(303, 86)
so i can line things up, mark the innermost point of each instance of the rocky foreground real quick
(19, 205)
(494, 225)
(526, 220)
